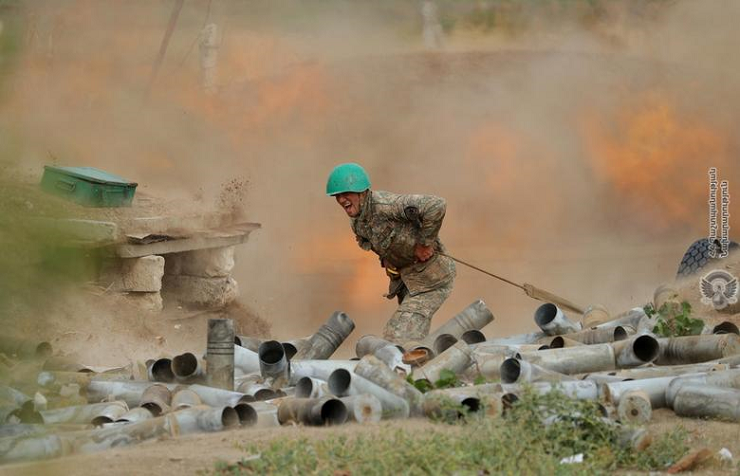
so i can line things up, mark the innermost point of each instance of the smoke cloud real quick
(572, 148)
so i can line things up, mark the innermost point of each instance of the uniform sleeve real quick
(363, 243)
(426, 212)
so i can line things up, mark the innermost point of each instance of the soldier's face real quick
(350, 202)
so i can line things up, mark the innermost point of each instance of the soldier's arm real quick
(427, 212)
(363, 243)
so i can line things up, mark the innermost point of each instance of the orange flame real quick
(656, 159)
(363, 281)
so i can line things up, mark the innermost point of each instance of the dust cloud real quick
(572, 148)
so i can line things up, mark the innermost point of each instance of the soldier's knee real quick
(406, 325)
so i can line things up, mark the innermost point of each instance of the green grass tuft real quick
(534, 436)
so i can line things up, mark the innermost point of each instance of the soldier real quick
(402, 230)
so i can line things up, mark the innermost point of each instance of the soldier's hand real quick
(423, 253)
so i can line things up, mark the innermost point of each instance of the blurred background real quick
(570, 138)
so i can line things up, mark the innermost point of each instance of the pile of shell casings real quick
(243, 381)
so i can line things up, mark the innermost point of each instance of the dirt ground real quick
(196, 453)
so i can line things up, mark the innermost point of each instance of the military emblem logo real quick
(719, 289)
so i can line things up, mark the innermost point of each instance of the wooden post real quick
(209, 44)
(165, 42)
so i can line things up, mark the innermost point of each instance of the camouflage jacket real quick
(392, 225)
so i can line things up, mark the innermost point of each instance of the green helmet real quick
(347, 178)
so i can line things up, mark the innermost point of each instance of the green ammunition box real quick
(88, 186)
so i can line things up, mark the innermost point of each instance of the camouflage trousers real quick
(412, 319)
